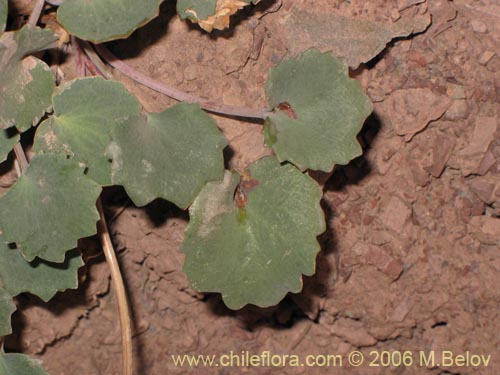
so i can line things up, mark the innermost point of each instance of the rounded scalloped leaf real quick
(3, 15)
(17, 364)
(169, 155)
(104, 20)
(26, 83)
(253, 242)
(318, 112)
(7, 308)
(41, 278)
(85, 112)
(50, 207)
(7, 142)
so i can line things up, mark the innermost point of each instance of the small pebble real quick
(395, 15)
(478, 26)
(190, 73)
(485, 57)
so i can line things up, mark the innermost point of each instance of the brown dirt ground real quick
(411, 259)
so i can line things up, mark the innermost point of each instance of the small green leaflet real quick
(14, 45)
(7, 141)
(7, 307)
(3, 15)
(41, 278)
(26, 83)
(318, 112)
(104, 20)
(169, 155)
(49, 208)
(19, 364)
(254, 250)
(85, 112)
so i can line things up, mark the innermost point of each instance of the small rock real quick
(191, 73)
(478, 26)
(486, 229)
(353, 332)
(458, 110)
(475, 151)
(417, 57)
(381, 259)
(399, 313)
(420, 176)
(166, 263)
(456, 91)
(441, 150)
(411, 110)
(486, 164)
(395, 15)
(485, 57)
(137, 255)
(395, 214)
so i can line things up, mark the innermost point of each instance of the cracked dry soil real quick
(411, 259)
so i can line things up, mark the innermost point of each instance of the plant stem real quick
(94, 58)
(21, 156)
(35, 14)
(174, 93)
(121, 295)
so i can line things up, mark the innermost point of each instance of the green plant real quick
(252, 234)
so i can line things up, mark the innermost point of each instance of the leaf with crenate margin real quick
(85, 112)
(254, 250)
(26, 83)
(7, 142)
(318, 112)
(104, 20)
(169, 155)
(7, 308)
(354, 39)
(49, 208)
(17, 364)
(41, 278)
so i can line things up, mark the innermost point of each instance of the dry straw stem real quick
(35, 14)
(121, 296)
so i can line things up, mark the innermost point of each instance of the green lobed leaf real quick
(26, 83)
(49, 208)
(3, 15)
(85, 112)
(7, 141)
(7, 307)
(254, 252)
(41, 278)
(169, 155)
(322, 111)
(354, 39)
(19, 364)
(15, 45)
(104, 20)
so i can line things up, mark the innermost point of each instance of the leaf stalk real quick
(121, 296)
(177, 94)
(36, 12)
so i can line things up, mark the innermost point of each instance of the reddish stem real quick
(174, 93)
